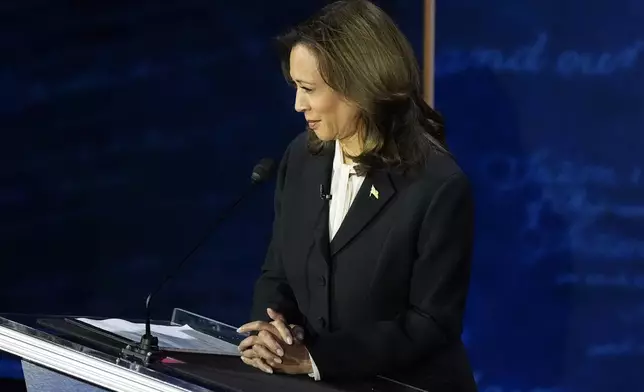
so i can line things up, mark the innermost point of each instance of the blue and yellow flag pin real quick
(374, 192)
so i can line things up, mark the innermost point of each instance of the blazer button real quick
(322, 281)
(322, 322)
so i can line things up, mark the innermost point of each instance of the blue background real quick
(127, 127)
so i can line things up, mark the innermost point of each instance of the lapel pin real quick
(374, 192)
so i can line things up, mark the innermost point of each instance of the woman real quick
(368, 269)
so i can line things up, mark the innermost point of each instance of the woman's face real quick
(327, 113)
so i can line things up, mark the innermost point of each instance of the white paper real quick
(179, 338)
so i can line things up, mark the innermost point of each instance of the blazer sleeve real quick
(438, 290)
(272, 288)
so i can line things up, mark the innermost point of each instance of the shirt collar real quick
(338, 159)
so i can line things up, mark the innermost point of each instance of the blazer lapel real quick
(375, 192)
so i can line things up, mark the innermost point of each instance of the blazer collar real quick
(376, 190)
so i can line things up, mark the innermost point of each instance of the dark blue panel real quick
(545, 108)
(126, 129)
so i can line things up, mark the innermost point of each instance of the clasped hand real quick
(276, 347)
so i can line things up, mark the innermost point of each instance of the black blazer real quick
(387, 295)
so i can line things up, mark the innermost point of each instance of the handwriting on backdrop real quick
(24, 92)
(616, 349)
(53, 162)
(51, 170)
(498, 388)
(605, 280)
(624, 345)
(485, 385)
(533, 58)
(565, 190)
(135, 142)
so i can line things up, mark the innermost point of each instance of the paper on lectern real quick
(173, 338)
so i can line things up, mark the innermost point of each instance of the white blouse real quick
(345, 184)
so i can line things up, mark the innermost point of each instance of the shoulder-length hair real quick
(362, 55)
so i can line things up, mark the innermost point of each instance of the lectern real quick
(53, 362)
(59, 355)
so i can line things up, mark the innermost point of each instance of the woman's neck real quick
(351, 145)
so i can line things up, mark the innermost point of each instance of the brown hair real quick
(363, 55)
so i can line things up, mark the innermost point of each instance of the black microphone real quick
(147, 350)
(324, 195)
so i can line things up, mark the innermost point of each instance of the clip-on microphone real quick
(323, 195)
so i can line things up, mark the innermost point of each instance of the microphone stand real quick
(147, 350)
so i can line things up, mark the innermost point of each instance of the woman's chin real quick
(324, 136)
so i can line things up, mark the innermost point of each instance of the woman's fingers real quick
(269, 340)
(258, 363)
(263, 353)
(247, 343)
(279, 322)
(283, 330)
